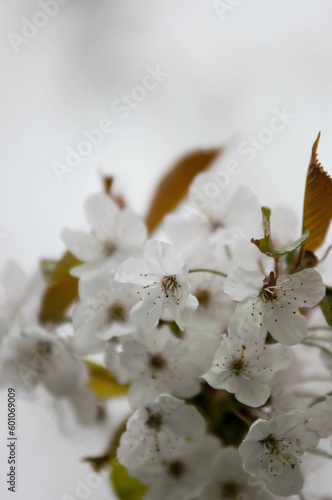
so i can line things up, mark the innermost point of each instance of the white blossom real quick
(272, 451)
(34, 356)
(228, 481)
(163, 278)
(114, 235)
(274, 303)
(157, 426)
(19, 298)
(321, 418)
(215, 308)
(156, 362)
(179, 472)
(103, 311)
(239, 212)
(244, 366)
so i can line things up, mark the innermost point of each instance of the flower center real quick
(270, 444)
(237, 366)
(154, 421)
(216, 224)
(169, 284)
(157, 362)
(44, 348)
(176, 469)
(203, 297)
(116, 313)
(45, 351)
(276, 446)
(108, 248)
(268, 294)
(269, 290)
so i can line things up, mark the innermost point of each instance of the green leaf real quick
(265, 244)
(261, 244)
(125, 487)
(103, 383)
(326, 306)
(266, 213)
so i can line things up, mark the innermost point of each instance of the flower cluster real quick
(206, 332)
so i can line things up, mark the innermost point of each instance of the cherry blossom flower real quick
(19, 298)
(157, 426)
(245, 366)
(103, 311)
(274, 304)
(156, 362)
(115, 234)
(202, 345)
(272, 451)
(163, 278)
(228, 481)
(179, 472)
(219, 228)
(35, 358)
(215, 308)
(321, 418)
(113, 359)
(239, 211)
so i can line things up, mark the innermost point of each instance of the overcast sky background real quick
(225, 78)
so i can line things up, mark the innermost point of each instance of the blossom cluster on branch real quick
(206, 330)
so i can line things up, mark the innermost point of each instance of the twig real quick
(208, 271)
(320, 453)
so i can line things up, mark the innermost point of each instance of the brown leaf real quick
(107, 182)
(317, 209)
(61, 290)
(174, 186)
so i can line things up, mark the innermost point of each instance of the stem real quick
(312, 344)
(242, 417)
(326, 253)
(317, 378)
(321, 339)
(324, 327)
(276, 266)
(208, 271)
(321, 453)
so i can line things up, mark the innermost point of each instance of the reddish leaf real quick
(317, 209)
(174, 186)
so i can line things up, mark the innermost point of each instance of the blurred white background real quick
(225, 78)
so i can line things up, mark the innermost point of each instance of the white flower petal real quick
(286, 326)
(135, 271)
(100, 211)
(163, 256)
(303, 289)
(183, 315)
(129, 230)
(147, 312)
(242, 283)
(252, 392)
(188, 423)
(83, 245)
